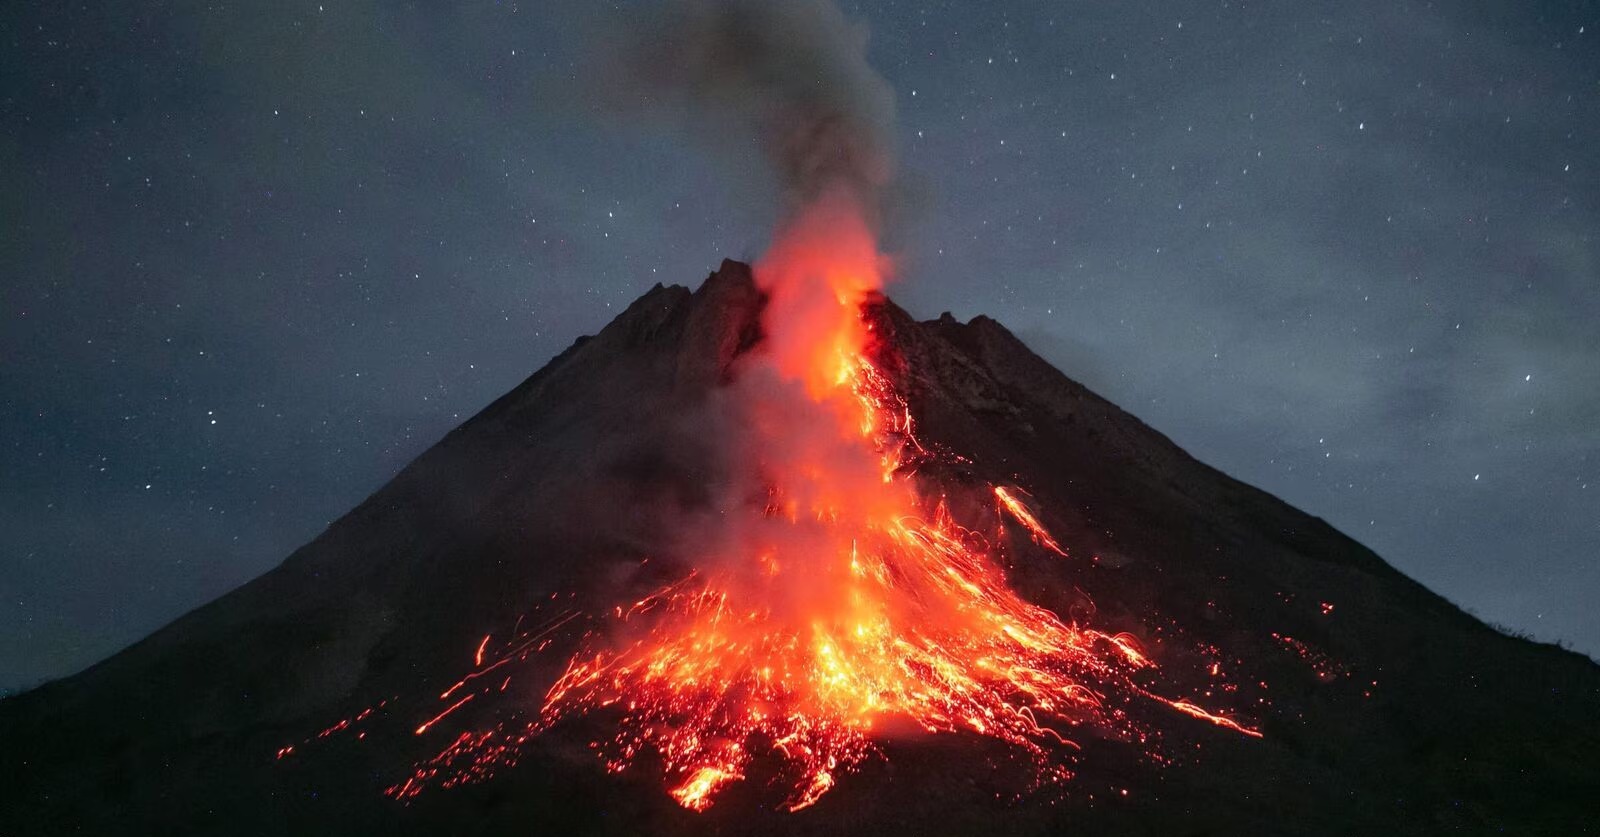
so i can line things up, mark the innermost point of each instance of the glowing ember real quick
(1028, 521)
(838, 602)
(695, 794)
(1190, 709)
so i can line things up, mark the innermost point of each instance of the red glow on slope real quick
(848, 599)
(832, 599)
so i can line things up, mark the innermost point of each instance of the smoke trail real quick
(792, 73)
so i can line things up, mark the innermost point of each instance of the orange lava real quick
(845, 600)
(831, 599)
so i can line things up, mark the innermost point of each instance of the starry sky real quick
(256, 256)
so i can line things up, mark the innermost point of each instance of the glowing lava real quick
(846, 600)
(831, 600)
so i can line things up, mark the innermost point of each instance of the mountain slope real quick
(1390, 711)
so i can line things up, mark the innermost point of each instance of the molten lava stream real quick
(844, 600)
(863, 609)
(849, 600)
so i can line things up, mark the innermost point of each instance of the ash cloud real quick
(792, 75)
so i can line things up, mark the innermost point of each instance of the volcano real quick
(472, 650)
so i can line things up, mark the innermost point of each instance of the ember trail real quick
(838, 600)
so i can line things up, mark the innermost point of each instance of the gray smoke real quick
(793, 72)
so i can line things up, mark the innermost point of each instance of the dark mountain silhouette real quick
(1391, 711)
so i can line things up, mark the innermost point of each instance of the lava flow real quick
(840, 600)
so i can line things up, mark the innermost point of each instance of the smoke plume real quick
(792, 75)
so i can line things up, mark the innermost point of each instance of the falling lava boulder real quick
(1387, 711)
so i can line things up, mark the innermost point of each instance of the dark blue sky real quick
(255, 257)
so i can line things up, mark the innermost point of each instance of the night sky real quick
(255, 257)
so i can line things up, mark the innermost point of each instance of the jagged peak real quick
(730, 272)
